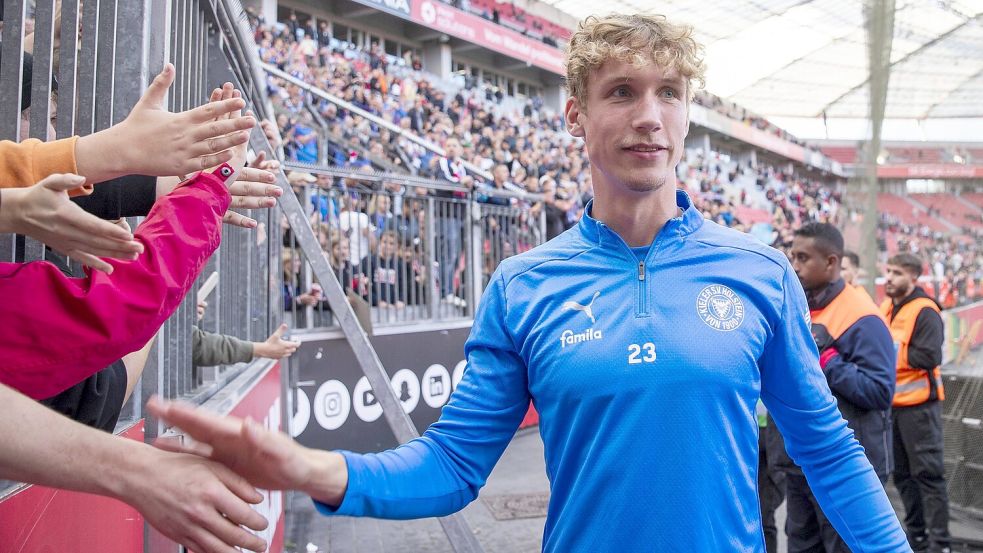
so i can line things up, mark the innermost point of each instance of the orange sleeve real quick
(25, 163)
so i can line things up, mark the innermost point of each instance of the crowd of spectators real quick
(476, 144)
(518, 164)
(740, 113)
(526, 149)
(953, 260)
(507, 14)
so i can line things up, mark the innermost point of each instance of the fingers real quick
(238, 113)
(245, 491)
(62, 182)
(260, 158)
(218, 144)
(222, 127)
(270, 165)
(197, 423)
(89, 260)
(157, 91)
(216, 538)
(176, 445)
(110, 251)
(280, 330)
(250, 183)
(213, 110)
(206, 161)
(246, 202)
(102, 237)
(238, 220)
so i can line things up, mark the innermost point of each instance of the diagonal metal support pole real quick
(459, 534)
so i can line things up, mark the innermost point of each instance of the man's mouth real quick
(645, 148)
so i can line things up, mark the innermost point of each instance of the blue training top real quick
(645, 375)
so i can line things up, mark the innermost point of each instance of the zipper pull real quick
(641, 270)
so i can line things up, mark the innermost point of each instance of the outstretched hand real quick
(275, 347)
(44, 212)
(153, 141)
(198, 503)
(267, 459)
(253, 189)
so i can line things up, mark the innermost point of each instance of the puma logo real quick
(585, 308)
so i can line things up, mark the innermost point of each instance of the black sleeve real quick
(96, 401)
(925, 348)
(129, 196)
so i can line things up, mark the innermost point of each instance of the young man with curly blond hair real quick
(644, 336)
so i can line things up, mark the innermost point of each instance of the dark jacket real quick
(387, 279)
(862, 379)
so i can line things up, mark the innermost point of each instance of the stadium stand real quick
(417, 187)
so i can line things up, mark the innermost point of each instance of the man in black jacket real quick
(857, 357)
(919, 474)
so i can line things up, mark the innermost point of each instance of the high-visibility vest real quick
(848, 307)
(914, 386)
(862, 288)
(970, 289)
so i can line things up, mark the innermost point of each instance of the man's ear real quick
(571, 115)
(689, 106)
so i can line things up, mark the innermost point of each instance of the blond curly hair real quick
(636, 39)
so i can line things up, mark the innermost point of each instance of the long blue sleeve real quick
(817, 438)
(442, 471)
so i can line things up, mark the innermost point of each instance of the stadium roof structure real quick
(808, 58)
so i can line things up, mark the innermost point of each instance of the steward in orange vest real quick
(919, 473)
(856, 354)
(916, 327)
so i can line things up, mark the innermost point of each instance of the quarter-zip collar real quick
(596, 232)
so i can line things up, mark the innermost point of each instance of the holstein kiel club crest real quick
(720, 308)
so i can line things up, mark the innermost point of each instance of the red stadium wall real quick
(37, 519)
(42, 520)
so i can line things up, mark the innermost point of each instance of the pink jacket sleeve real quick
(60, 330)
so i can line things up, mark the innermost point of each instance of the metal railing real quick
(406, 249)
(102, 54)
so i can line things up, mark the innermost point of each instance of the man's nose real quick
(648, 115)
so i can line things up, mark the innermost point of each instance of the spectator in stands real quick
(555, 209)
(599, 278)
(303, 134)
(293, 298)
(919, 471)
(450, 219)
(352, 281)
(380, 214)
(856, 355)
(356, 226)
(387, 274)
(209, 349)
